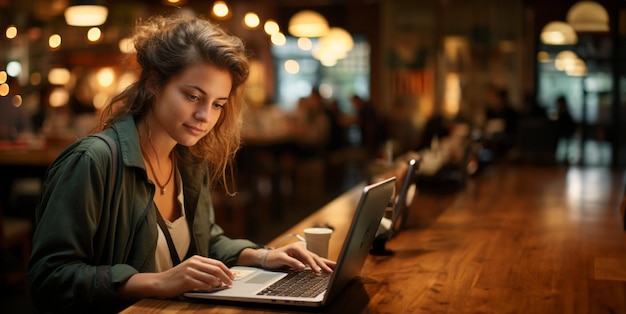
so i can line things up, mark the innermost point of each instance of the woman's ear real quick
(152, 83)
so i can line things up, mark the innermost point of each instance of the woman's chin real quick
(188, 142)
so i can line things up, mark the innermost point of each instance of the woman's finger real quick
(215, 268)
(308, 258)
(205, 281)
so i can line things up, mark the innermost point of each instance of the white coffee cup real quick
(317, 240)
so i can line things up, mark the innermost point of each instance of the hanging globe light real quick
(588, 16)
(86, 13)
(308, 23)
(558, 33)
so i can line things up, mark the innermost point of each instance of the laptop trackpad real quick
(261, 278)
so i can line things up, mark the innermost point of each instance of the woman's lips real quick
(194, 130)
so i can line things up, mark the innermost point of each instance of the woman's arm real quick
(195, 273)
(294, 256)
(62, 272)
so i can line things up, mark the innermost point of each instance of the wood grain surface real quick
(516, 239)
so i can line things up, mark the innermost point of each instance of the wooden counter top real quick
(515, 240)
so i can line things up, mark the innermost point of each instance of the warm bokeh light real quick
(59, 97)
(333, 46)
(328, 62)
(16, 101)
(271, 27)
(220, 9)
(558, 33)
(292, 66)
(126, 45)
(125, 80)
(86, 15)
(305, 43)
(338, 39)
(100, 100)
(278, 39)
(3, 77)
(106, 77)
(563, 59)
(507, 46)
(452, 97)
(94, 34)
(543, 56)
(307, 23)
(327, 56)
(251, 20)
(588, 16)
(578, 67)
(174, 2)
(59, 76)
(4, 89)
(35, 79)
(54, 41)
(34, 33)
(11, 32)
(552, 37)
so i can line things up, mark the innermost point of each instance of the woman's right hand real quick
(195, 273)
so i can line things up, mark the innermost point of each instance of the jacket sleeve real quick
(62, 272)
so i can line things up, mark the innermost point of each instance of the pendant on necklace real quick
(162, 190)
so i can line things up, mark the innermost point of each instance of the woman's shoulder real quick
(93, 146)
(90, 149)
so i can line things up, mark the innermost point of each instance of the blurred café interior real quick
(338, 91)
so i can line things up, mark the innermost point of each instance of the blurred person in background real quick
(311, 126)
(565, 128)
(501, 121)
(372, 129)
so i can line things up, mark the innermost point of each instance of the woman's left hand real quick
(296, 256)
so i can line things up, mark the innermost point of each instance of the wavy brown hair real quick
(168, 45)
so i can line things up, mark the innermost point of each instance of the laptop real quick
(251, 284)
(404, 199)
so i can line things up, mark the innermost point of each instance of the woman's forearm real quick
(141, 285)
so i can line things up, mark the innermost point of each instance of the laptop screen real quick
(372, 205)
(404, 199)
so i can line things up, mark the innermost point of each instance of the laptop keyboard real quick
(298, 284)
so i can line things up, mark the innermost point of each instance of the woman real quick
(177, 128)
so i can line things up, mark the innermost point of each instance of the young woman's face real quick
(191, 103)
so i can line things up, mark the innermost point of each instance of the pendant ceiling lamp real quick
(338, 38)
(558, 33)
(86, 13)
(588, 16)
(577, 68)
(565, 59)
(308, 23)
(174, 3)
(333, 46)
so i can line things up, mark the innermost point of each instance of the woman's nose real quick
(202, 115)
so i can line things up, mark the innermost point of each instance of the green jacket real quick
(83, 247)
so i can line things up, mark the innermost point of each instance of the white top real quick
(179, 230)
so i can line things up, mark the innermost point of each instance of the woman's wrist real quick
(261, 255)
(253, 257)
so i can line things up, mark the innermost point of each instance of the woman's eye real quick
(219, 106)
(193, 97)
